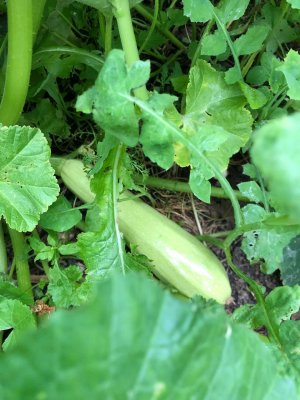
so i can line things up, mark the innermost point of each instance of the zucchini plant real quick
(95, 92)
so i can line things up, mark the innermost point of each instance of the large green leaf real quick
(276, 152)
(136, 341)
(27, 183)
(111, 111)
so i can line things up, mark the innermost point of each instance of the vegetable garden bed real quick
(149, 199)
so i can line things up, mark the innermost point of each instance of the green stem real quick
(230, 44)
(173, 39)
(108, 35)
(3, 254)
(19, 56)
(152, 27)
(198, 49)
(184, 187)
(271, 327)
(21, 258)
(127, 36)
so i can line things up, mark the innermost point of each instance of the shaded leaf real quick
(144, 358)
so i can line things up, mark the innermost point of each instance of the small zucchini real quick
(178, 257)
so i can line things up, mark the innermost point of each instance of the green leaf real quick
(266, 244)
(251, 41)
(198, 12)
(294, 3)
(155, 349)
(251, 190)
(60, 216)
(290, 265)
(214, 44)
(17, 316)
(27, 183)
(291, 71)
(255, 97)
(106, 100)
(10, 291)
(211, 101)
(289, 333)
(282, 302)
(67, 287)
(157, 140)
(102, 250)
(276, 152)
(232, 10)
(42, 251)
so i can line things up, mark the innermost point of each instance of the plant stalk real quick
(127, 36)
(3, 254)
(21, 258)
(184, 187)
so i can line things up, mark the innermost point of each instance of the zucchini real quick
(178, 257)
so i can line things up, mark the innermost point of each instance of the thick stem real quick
(184, 187)
(21, 258)
(127, 36)
(3, 254)
(19, 56)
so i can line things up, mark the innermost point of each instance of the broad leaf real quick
(111, 111)
(27, 183)
(61, 216)
(251, 41)
(131, 348)
(17, 316)
(214, 44)
(211, 101)
(276, 152)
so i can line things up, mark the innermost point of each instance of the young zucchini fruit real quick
(178, 257)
